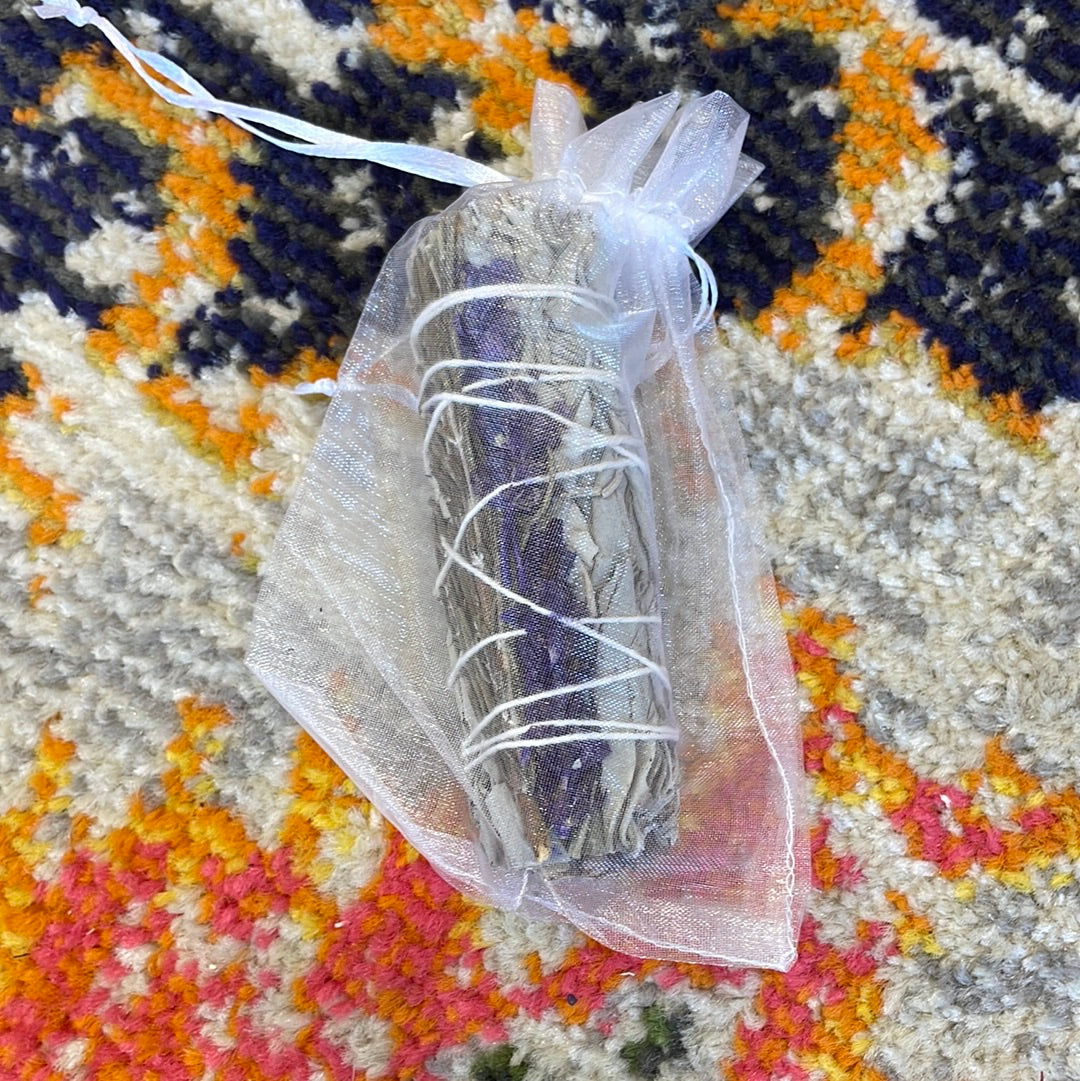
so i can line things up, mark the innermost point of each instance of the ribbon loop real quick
(301, 137)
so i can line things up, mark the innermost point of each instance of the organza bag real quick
(517, 594)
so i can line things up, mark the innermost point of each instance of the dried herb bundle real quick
(544, 526)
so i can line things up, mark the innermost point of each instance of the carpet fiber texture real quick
(190, 889)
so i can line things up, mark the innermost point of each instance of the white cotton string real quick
(585, 298)
(567, 621)
(556, 692)
(303, 138)
(652, 224)
(526, 370)
(477, 647)
(473, 753)
(325, 386)
(627, 458)
(447, 398)
(541, 373)
(587, 728)
(601, 620)
(710, 291)
(525, 482)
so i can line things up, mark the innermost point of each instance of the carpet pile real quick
(191, 889)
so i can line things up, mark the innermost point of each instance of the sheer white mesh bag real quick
(517, 594)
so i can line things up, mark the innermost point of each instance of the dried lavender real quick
(520, 444)
(542, 515)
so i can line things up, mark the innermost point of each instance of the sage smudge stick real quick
(543, 522)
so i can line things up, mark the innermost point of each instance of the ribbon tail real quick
(300, 137)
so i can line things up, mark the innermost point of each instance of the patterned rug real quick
(191, 889)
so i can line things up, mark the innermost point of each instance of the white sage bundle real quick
(518, 594)
(549, 572)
